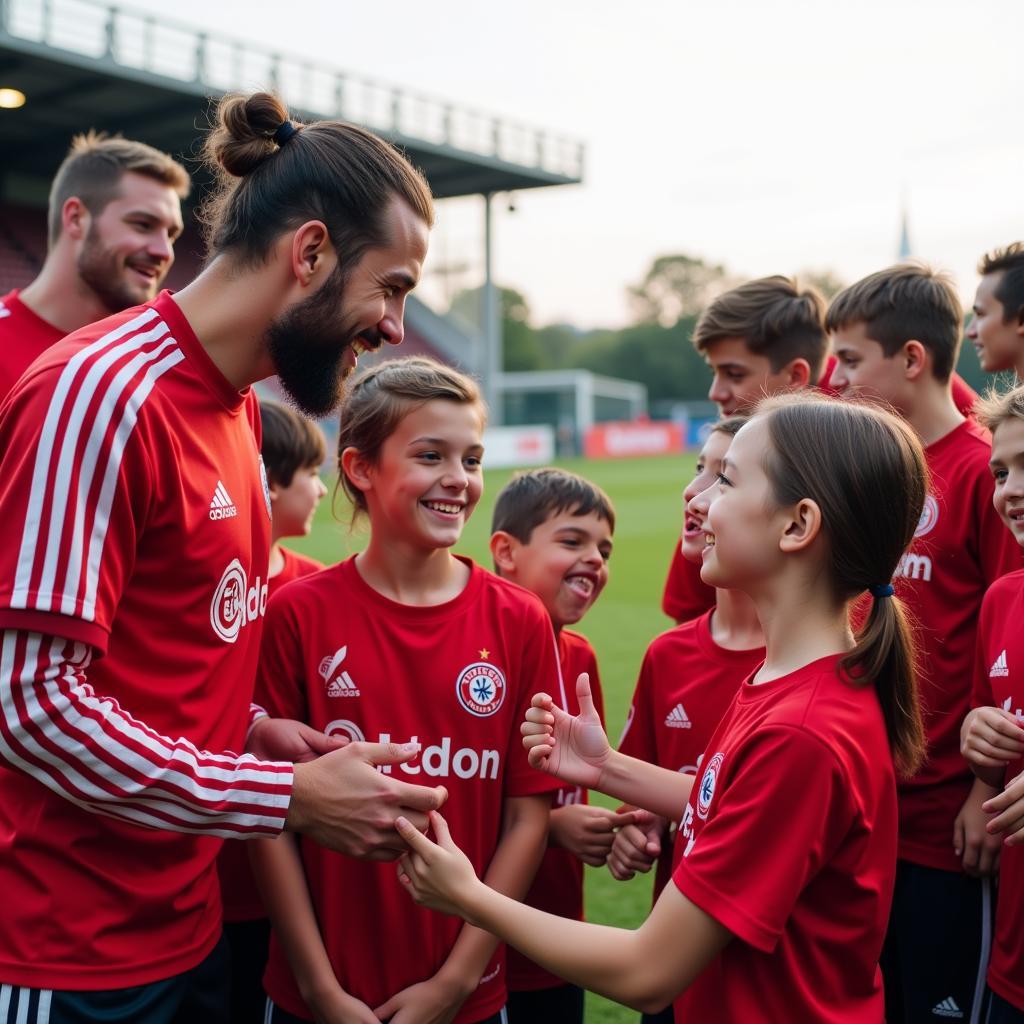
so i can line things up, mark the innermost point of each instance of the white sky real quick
(769, 135)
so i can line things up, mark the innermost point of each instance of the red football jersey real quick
(239, 894)
(687, 682)
(458, 678)
(959, 549)
(138, 529)
(558, 887)
(999, 682)
(790, 843)
(24, 336)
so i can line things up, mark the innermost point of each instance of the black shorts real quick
(560, 1004)
(248, 943)
(275, 1015)
(665, 1017)
(200, 994)
(1002, 1012)
(937, 947)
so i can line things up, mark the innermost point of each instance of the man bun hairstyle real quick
(1009, 262)
(905, 302)
(865, 470)
(382, 396)
(534, 496)
(330, 171)
(775, 317)
(93, 169)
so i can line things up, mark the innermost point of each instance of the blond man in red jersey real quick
(115, 213)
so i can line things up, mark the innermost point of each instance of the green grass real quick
(646, 493)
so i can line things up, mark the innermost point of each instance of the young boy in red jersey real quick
(115, 213)
(293, 450)
(896, 335)
(689, 677)
(765, 336)
(997, 327)
(992, 738)
(405, 641)
(552, 534)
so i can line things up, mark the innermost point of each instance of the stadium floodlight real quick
(11, 99)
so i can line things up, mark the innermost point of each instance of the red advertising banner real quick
(622, 440)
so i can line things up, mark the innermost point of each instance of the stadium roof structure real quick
(82, 63)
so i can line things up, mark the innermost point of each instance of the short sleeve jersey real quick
(790, 843)
(687, 682)
(999, 682)
(457, 678)
(137, 524)
(959, 549)
(24, 336)
(238, 892)
(558, 885)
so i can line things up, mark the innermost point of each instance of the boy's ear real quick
(915, 359)
(357, 468)
(803, 527)
(273, 488)
(503, 551)
(798, 373)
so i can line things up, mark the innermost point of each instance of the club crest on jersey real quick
(265, 484)
(929, 517)
(708, 782)
(481, 688)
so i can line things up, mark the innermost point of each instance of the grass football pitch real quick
(646, 494)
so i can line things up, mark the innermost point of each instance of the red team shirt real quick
(789, 841)
(686, 595)
(558, 886)
(239, 894)
(999, 682)
(120, 447)
(960, 548)
(458, 678)
(687, 682)
(24, 337)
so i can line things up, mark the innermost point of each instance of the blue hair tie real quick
(881, 590)
(285, 130)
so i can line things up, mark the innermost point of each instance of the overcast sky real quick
(768, 135)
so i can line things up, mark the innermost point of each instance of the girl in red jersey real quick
(406, 642)
(992, 739)
(782, 895)
(689, 678)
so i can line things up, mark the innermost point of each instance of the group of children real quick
(815, 756)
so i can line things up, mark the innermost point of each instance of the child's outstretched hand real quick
(573, 748)
(436, 875)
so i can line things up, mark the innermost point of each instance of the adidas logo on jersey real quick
(221, 505)
(342, 687)
(678, 718)
(999, 667)
(948, 1008)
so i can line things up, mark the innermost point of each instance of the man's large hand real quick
(342, 802)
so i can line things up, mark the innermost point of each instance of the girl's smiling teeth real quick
(448, 508)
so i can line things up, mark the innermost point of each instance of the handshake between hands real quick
(575, 749)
